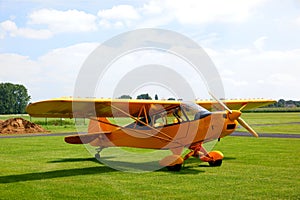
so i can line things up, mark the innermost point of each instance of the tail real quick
(97, 127)
(84, 138)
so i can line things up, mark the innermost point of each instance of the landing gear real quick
(97, 155)
(216, 163)
(174, 168)
(214, 158)
(172, 162)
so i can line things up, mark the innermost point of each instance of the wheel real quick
(97, 156)
(216, 163)
(174, 168)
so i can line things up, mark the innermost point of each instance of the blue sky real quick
(254, 44)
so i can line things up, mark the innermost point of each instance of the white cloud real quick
(45, 23)
(197, 12)
(14, 66)
(118, 16)
(235, 82)
(54, 21)
(51, 75)
(260, 43)
(191, 12)
(249, 73)
(153, 7)
(119, 12)
(283, 79)
(9, 27)
(248, 68)
(64, 21)
(297, 20)
(108, 24)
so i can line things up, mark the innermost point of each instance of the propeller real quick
(236, 115)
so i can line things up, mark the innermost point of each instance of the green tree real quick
(13, 98)
(281, 103)
(144, 96)
(125, 96)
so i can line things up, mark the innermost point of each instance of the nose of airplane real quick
(234, 115)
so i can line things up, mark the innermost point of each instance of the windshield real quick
(194, 111)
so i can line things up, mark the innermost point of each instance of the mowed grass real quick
(48, 168)
(283, 122)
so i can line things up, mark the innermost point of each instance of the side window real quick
(171, 119)
(172, 116)
(159, 119)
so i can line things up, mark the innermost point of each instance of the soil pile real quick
(19, 126)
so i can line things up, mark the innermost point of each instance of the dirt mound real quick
(19, 126)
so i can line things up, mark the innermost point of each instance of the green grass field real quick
(284, 122)
(253, 168)
(47, 168)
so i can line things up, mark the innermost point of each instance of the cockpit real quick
(158, 116)
(184, 112)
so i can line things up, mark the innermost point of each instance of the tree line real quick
(281, 103)
(142, 96)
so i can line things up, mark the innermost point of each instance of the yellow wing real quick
(85, 108)
(236, 104)
(69, 108)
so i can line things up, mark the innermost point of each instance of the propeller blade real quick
(219, 101)
(239, 119)
(247, 127)
(242, 107)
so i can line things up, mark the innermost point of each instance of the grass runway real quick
(47, 168)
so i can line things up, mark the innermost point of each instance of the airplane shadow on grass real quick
(87, 171)
(55, 174)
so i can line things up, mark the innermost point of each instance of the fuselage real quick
(176, 134)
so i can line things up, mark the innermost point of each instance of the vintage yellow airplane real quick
(156, 124)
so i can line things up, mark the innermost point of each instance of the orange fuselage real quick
(177, 135)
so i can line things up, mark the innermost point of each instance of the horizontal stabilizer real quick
(83, 138)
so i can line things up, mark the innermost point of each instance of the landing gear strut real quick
(214, 158)
(97, 155)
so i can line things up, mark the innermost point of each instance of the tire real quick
(174, 168)
(97, 156)
(216, 163)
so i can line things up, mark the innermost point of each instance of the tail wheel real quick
(217, 158)
(97, 156)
